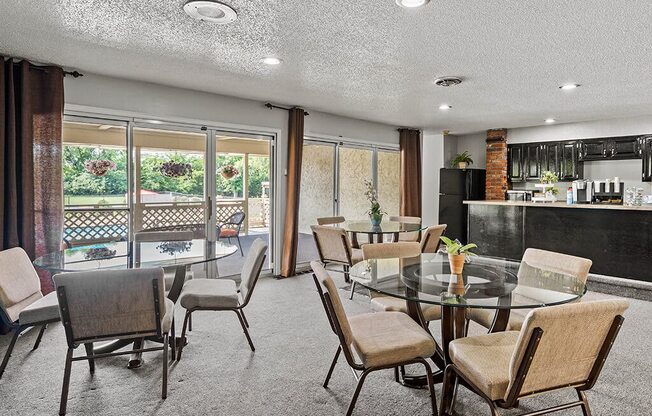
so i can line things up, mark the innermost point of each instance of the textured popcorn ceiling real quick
(367, 59)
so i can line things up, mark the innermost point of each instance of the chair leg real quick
(352, 290)
(447, 399)
(66, 382)
(40, 336)
(190, 323)
(586, 410)
(164, 387)
(396, 378)
(183, 335)
(347, 276)
(240, 245)
(173, 341)
(354, 399)
(10, 349)
(332, 367)
(89, 352)
(431, 387)
(244, 317)
(244, 328)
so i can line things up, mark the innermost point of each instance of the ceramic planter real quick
(456, 263)
(462, 165)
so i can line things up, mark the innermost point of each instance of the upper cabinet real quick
(646, 152)
(570, 167)
(627, 147)
(532, 161)
(515, 159)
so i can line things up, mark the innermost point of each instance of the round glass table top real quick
(486, 282)
(129, 255)
(385, 227)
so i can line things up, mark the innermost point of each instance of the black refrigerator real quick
(455, 186)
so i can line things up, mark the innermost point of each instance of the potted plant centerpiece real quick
(462, 160)
(548, 180)
(375, 212)
(457, 253)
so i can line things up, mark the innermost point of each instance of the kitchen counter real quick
(560, 205)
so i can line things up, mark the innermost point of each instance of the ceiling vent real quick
(448, 81)
(210, 11)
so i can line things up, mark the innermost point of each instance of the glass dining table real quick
(177, 255)
(486, 283)
(393, 228)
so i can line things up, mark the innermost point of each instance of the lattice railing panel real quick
(225, 209)
(91, 225)
(150, 216)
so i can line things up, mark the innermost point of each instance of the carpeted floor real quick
(219, 375)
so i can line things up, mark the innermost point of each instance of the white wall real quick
(476, 145)
(433, 159)
(120, 97)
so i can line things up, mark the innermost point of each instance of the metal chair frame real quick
(235, 225)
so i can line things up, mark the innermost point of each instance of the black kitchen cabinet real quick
(594, 149)
(551, 158)
(646, 147)
(515, 162)
(570, 167)
(627, 147)
(532, 161)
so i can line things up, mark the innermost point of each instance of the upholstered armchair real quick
(334, 247)
(430, 238)
(411, 236)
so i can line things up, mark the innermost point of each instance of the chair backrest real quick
(251, 269)
(409, 236)
(337, 316)
(569, 350)
(332, 244)
(236, 219)
(400, 249)
(110, 304)
(557, 262)
(156, 236)
(330, 220)
(430, 239)
(19, 284)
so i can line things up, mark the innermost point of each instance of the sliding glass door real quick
(355, 167)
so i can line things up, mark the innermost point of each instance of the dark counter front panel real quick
(617, 241)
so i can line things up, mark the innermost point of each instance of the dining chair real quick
(401, 249)
(381, 340)
(330, 220)
(535, 260)
(430, 238)
(104, 305)
(231, 228)
(222, 294)
(147, 236)
(22, 304)
(409, 236)
(334, 247)
(555, 349)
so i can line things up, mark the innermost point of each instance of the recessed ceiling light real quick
(411, 4)
(270, 60)
(569, 86)
(550, 120)
(445, 107)
(210, 11)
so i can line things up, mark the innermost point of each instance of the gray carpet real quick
(218, 374)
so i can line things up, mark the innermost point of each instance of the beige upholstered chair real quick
(157, 236)
(411, 236)
(430, 238)
(22, 305)
(334, 247)
(113, 304)
(558, 347)
(381, 340)
(330, 220)
(540, 259)
(401, 249)
(222, 294)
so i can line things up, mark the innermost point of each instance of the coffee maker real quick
(582, 192)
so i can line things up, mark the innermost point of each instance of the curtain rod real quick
(74, 74)
(272, 106)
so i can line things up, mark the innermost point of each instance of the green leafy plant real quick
(464, 157)
(550, 178)
(374, 211)
(455, 247)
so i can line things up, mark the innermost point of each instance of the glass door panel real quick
(389, 180)
(355, 167)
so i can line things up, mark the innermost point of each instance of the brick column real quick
(496, 184)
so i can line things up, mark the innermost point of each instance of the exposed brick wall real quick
(496, 184)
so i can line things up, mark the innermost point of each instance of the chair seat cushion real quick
(228, 232)
(166, 322)
(485, 360)
(485, 317)
(44, 309)
(209, 294)
(386, 338)
(392, 304)
(356, 255)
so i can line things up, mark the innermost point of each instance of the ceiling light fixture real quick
(569, 86)
(270, 60)
(412, 4)
(550, 120)
(210, 11)
(445, 107)
(448, 81)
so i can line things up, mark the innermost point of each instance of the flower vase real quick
(375, 219)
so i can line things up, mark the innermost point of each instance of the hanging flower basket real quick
(174, 169)
(229, 171)
(99, 167)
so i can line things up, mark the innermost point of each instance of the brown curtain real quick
(410, 144)
(291, 233)
(31, 195)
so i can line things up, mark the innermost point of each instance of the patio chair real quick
(381, 340)
(113, 304)
(22, 304)
(430, 238)
(411, 236)
(334, 247)
(558, 347)
(222, 294)
(231, 228)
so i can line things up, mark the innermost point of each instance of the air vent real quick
(448, 81)
(210, 11)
